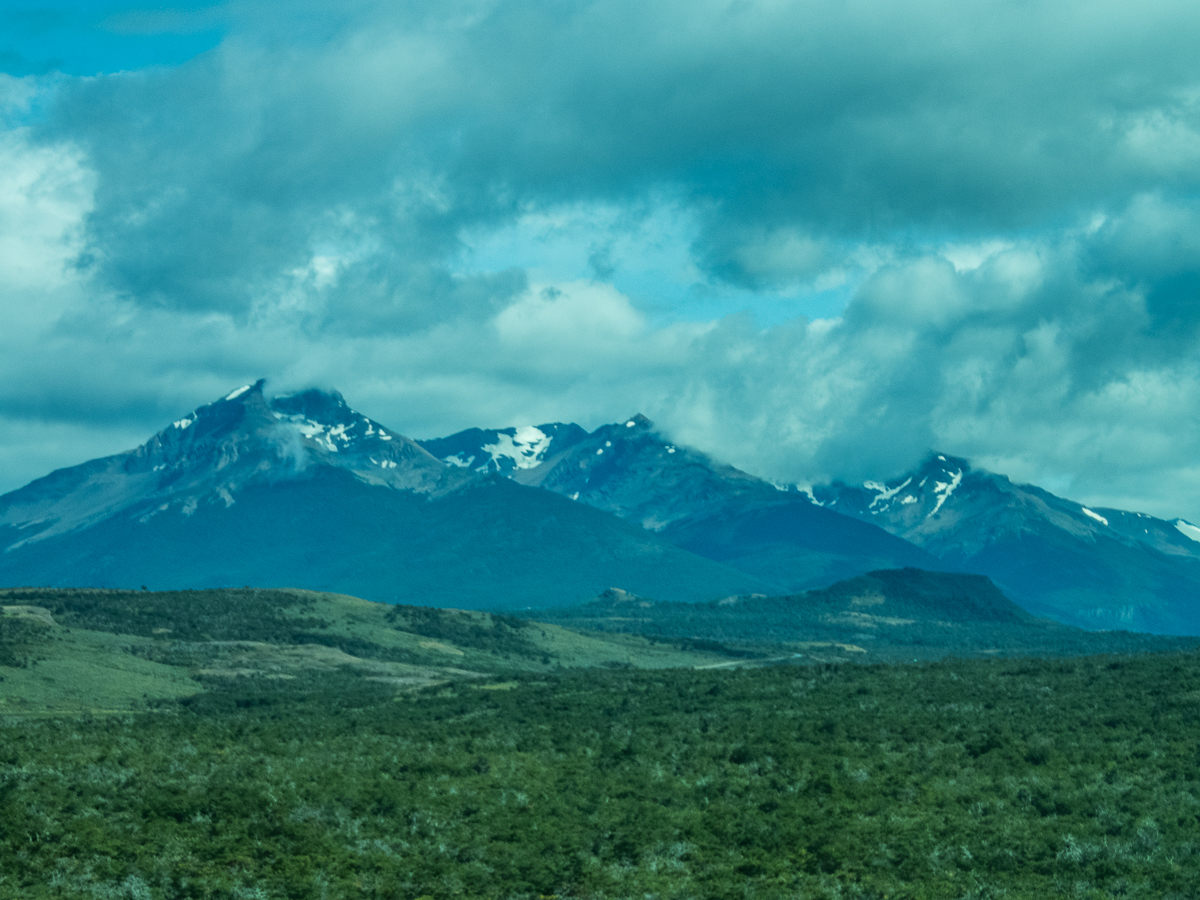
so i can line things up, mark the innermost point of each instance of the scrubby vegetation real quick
(20, 636)
(211, 615)
(976, 778)
(492, 632)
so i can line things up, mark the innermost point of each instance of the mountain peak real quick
(313, 401)
(935, 460)
(243, 409)
(505, 451)
(343, 437)
(245, 389)
(923, 491)
(214, 453)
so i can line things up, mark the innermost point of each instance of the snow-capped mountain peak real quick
(325, 419)
(625, 467)
(972, 518)
(628, 468)
(525, 445)
(332, 433)
(915, 496)
(504, 450)
(214, 452)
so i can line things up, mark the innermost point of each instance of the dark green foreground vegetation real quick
(962, 779)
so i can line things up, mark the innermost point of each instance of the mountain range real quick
(302, 491)
(1097, 568)
(694, 502)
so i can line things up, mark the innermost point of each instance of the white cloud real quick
(549, 318)
(45, 193)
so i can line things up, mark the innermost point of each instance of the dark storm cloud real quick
(818, 122)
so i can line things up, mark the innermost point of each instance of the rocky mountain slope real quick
(1099, 568)
(504, 450)
(704, 506)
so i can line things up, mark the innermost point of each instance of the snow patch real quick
(883, 492)
(184, 423)
(315, 432)
(324, 435)
(1091, 515)
(805, 489)
(233, 395)
(526, 446)
(1187, 529)
(457, 460)
(943, 489)
(630, 423)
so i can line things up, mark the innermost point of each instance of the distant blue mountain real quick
(1097, 568)
(701, 505)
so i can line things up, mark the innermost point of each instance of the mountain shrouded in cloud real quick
(814, 239)
(305, 491)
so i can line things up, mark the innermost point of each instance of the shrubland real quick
(1014, 778)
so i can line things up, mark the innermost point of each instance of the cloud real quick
(44, 193)
(1036, 361)
(815, 238)
(794, 131)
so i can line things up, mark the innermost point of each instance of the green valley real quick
(287, 744)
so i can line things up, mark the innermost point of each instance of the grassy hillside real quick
(972, 779)
(67, 650)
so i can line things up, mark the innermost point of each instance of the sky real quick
(815, 239)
